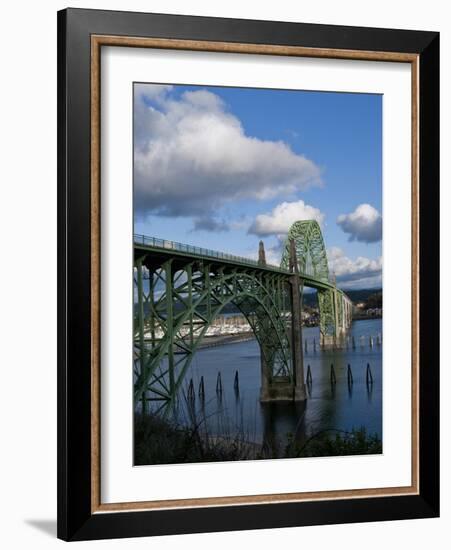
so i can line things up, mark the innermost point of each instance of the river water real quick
(338, 406)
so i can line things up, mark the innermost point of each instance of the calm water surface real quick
(338, 406)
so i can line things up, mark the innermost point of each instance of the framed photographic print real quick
(248, 274)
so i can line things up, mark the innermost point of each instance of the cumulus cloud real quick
(273, 255)
(364, 224)
(192, 156)
(350, 273)
(151, 92)
(278, 221)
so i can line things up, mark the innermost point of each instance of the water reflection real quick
(343, 393)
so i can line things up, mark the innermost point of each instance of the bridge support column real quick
(339, 319)
(296, 328)
(336, 320)
(265, 393)
(142, 357)
(277, 387)
(265, 367)
(326, 301)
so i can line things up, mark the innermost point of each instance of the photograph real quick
(248, 272)
(233, 213)
(257, 274)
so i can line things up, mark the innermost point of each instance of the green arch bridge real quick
(180, 289)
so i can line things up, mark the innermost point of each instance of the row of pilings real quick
(344, 343)
(349, 375)
(191, 394)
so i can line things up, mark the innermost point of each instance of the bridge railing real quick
(154, 242)
(197, 250)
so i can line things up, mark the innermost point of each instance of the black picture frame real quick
(75, 518)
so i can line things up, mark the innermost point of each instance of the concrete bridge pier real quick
(285, 388)
(340, 317)
(300, 393)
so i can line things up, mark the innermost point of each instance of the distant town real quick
(367, 305)
(232, 323)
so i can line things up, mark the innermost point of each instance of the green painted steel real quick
(313, 264)
(181, 289)
(188, 296)
(310, 249)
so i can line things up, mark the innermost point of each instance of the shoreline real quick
(213, 341)
(223, 339)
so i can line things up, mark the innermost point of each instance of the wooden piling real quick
(191, 395)
(236, 383)
(219, 383)
(333, 378)
(309, 375)
(201, 388)
(369, 374)
(350, 378)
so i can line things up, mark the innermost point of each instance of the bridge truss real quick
(335, 308)
(178, 300)
(180, 290)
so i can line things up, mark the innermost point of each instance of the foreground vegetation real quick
(160, 441)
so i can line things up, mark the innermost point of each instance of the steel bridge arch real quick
(160, 369)
(334, 306)
(310, 249)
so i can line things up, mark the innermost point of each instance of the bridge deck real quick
(162, 247)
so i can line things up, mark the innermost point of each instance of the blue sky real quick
(225, 167)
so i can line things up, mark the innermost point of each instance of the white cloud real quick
(154, 92)
(361, 272)
(192, 156)
(350, 274)
(274, 255)
(278, 222)
(364, 224)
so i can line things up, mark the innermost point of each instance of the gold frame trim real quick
(97, 41)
